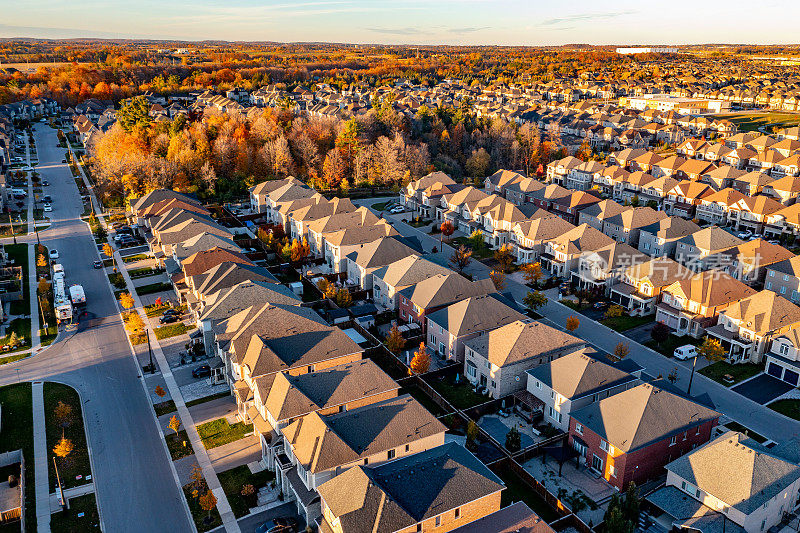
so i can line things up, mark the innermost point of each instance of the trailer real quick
(77, 295)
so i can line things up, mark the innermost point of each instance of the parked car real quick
(168, 319)
(97, 264)
(685, 352)
(47, 198)
(201, 371)
(45, 183)
(47, 208)
(281, 524)
(398, 209)
(171, 312)
(745, 234)
(53, 253)
(63, 160)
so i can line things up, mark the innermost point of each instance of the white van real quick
(687, 351)
(23, 192)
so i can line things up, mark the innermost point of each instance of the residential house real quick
(693, 249)
(388, 280)
(642, 283)
(626, 226)
(528, 238)
(660, 238)
(561, 254)
(595, 215)
(369, 257)
(417, 301)
(783, 278)
(598, 270)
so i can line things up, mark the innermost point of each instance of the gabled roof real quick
(516, 518)
(711, 239)
(671, 228)
(399, 494)
(764, 312)
(444, 289)
(640, 416)
(408, 271)
(580, 239)
(205, 260)
(522, 340)
(245, 295)
(576, 375)
(379, 253)
(543, 228)
(228, 274)
(475, 314)
(710, 288)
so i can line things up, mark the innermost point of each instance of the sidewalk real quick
(33, 282)
(41, 483)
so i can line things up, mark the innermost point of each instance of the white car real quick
(47, 208)
(745, 234)
(398, 209)
(53, 253)
(687, 351)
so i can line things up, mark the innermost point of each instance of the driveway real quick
(762, 388)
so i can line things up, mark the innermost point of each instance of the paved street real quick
(136, 490)
(737, 407)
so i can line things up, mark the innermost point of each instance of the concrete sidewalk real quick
(33, 282)
(40, 466)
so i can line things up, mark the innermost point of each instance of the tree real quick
(476, 240)
(659, 333)
(711, 349)
(504, 256)
(447, 229)
(478, 163)
(323, 285)
(41, 261)
(43, 287)
(672, 377)
(126, 300)
(160, 392)
(63, 414)
(299, 250)
(461, 258)
(394, 340)
(174, 424)
(108, 250)
(13, 340)
(196, 481)
(421, 361)
(343, 298)
(135, 113)
(621, 350)
(207, 502)
(472, 433)
(498, 278)
(63, 447)
(614, 311)
(572, 323)
(534, 300)
(532, 272)
(513, 440)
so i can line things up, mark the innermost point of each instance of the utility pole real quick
(58, 484)
(691, 376)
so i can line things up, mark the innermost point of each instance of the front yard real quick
(219, 432)
(172, 330)
(668, 346)
(66, 422)
(69, 521)
(718, 370)
(626, 322)
(788, 407)
(235, 479)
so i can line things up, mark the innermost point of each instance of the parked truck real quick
(77, 295)
(61, 303)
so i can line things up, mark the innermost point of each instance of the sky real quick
(458, 22)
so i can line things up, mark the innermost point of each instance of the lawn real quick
(116, 279)
(163, 408)
(668, 346)
(752, 121)
(219, 432)
(736, 426)
(205, 399)
(175, 444)
(459, 395)
(70, 521)
(49, 335)
(15, 357)
(22, 328)
(484, 252)
(76, 463)
(200, 516)
(717, 370)
(232, 482)
(17, 433)
(135, 257)
(625, 322)
(517, 490)
(144, 272)
(152, 288)
(788, 407)
(380, 206)
(172, 330)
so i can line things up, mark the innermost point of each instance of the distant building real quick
(647, 50)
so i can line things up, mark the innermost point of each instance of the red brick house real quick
(631, 436)
(414, 303)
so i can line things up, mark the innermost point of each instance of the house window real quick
(786, 277)
(438, 521)
(612, 471)
(408, 448)
(366, 460)
(606, 447)
(390, 455)
(783, 290)
(472, 370)
(784, 349)
(672, 440)
(579, 429)
(769, 285)
(772, 273)
(457, 512)
(538, 384)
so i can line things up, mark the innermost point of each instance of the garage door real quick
(774, 370)
(791, 377)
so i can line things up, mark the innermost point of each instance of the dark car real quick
(168, 319)
(171, 312)
(281, 524)
(98, 264)
(63, 160)
(46, 183)
(47, 198)
(201, 371)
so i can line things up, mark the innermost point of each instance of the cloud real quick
(586, 16)
(397, 31)
(467, 30)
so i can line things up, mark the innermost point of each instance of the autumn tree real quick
(394, 340)
(421, 361)
(174, 424)
(63, 415)
(41, 261)
(461, 258)
(344, 298)
(447, 229)
(126, 300)
(43, 287)
(472, 433)
(532, 272)
(711, 349)
(621, 350)
(207, 502)
(534, 300)
(63, 448)
(614, 311)
(108, 250)
(498, 278)
(160, 392)
(323, 284)
(572, 323)
(659, 333)
(300, 250)
(504, 256)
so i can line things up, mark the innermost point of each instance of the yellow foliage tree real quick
(174, 424)
(63, 447)
(41, 261)
(572, 323)
(421, 361)
(108, 250)
(126, 300)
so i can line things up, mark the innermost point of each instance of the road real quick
(757, 417)
(135, 487)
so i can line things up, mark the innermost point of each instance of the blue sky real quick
(501, 22)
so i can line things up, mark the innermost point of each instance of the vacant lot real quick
(752, 121)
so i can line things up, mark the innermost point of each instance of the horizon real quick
(512, 23)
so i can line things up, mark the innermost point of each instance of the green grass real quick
(22, 328)
(788, 407)
(17, 433)
(152, 288)
(144, 271)
(517, 490)
(219, 432)
(460, 396)
(625, 322)
(232, 482)
(163, 408)
(198, 514)
(15, 357)
(668, 346)
(156, 310)
(69, 521)
(172, 330)
(752, 121)
(116, 279)
(484, 252)
(205, 399)
(136, 257)
(736, 426)
(717, 370)
(175, 444)
(49, 335)
(77, 462)
(380, 206)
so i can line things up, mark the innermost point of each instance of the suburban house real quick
(320, 447)
(388, 280)
(784, 278)
(626, 226)
(417, 301)
(449, 328)
(695, 247)
(528, 238)
(600, 269)
(561, 254)
(660, 238)
(749, 261)
(595, 215)
(782, 361)
(747, 327)
(436, 490)
(632, 435)
(642, 283)
(732, 478)
(371, 256)
(339, 244)
(689, 306)
(422, 195)
(498, 360)
(574, 381)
